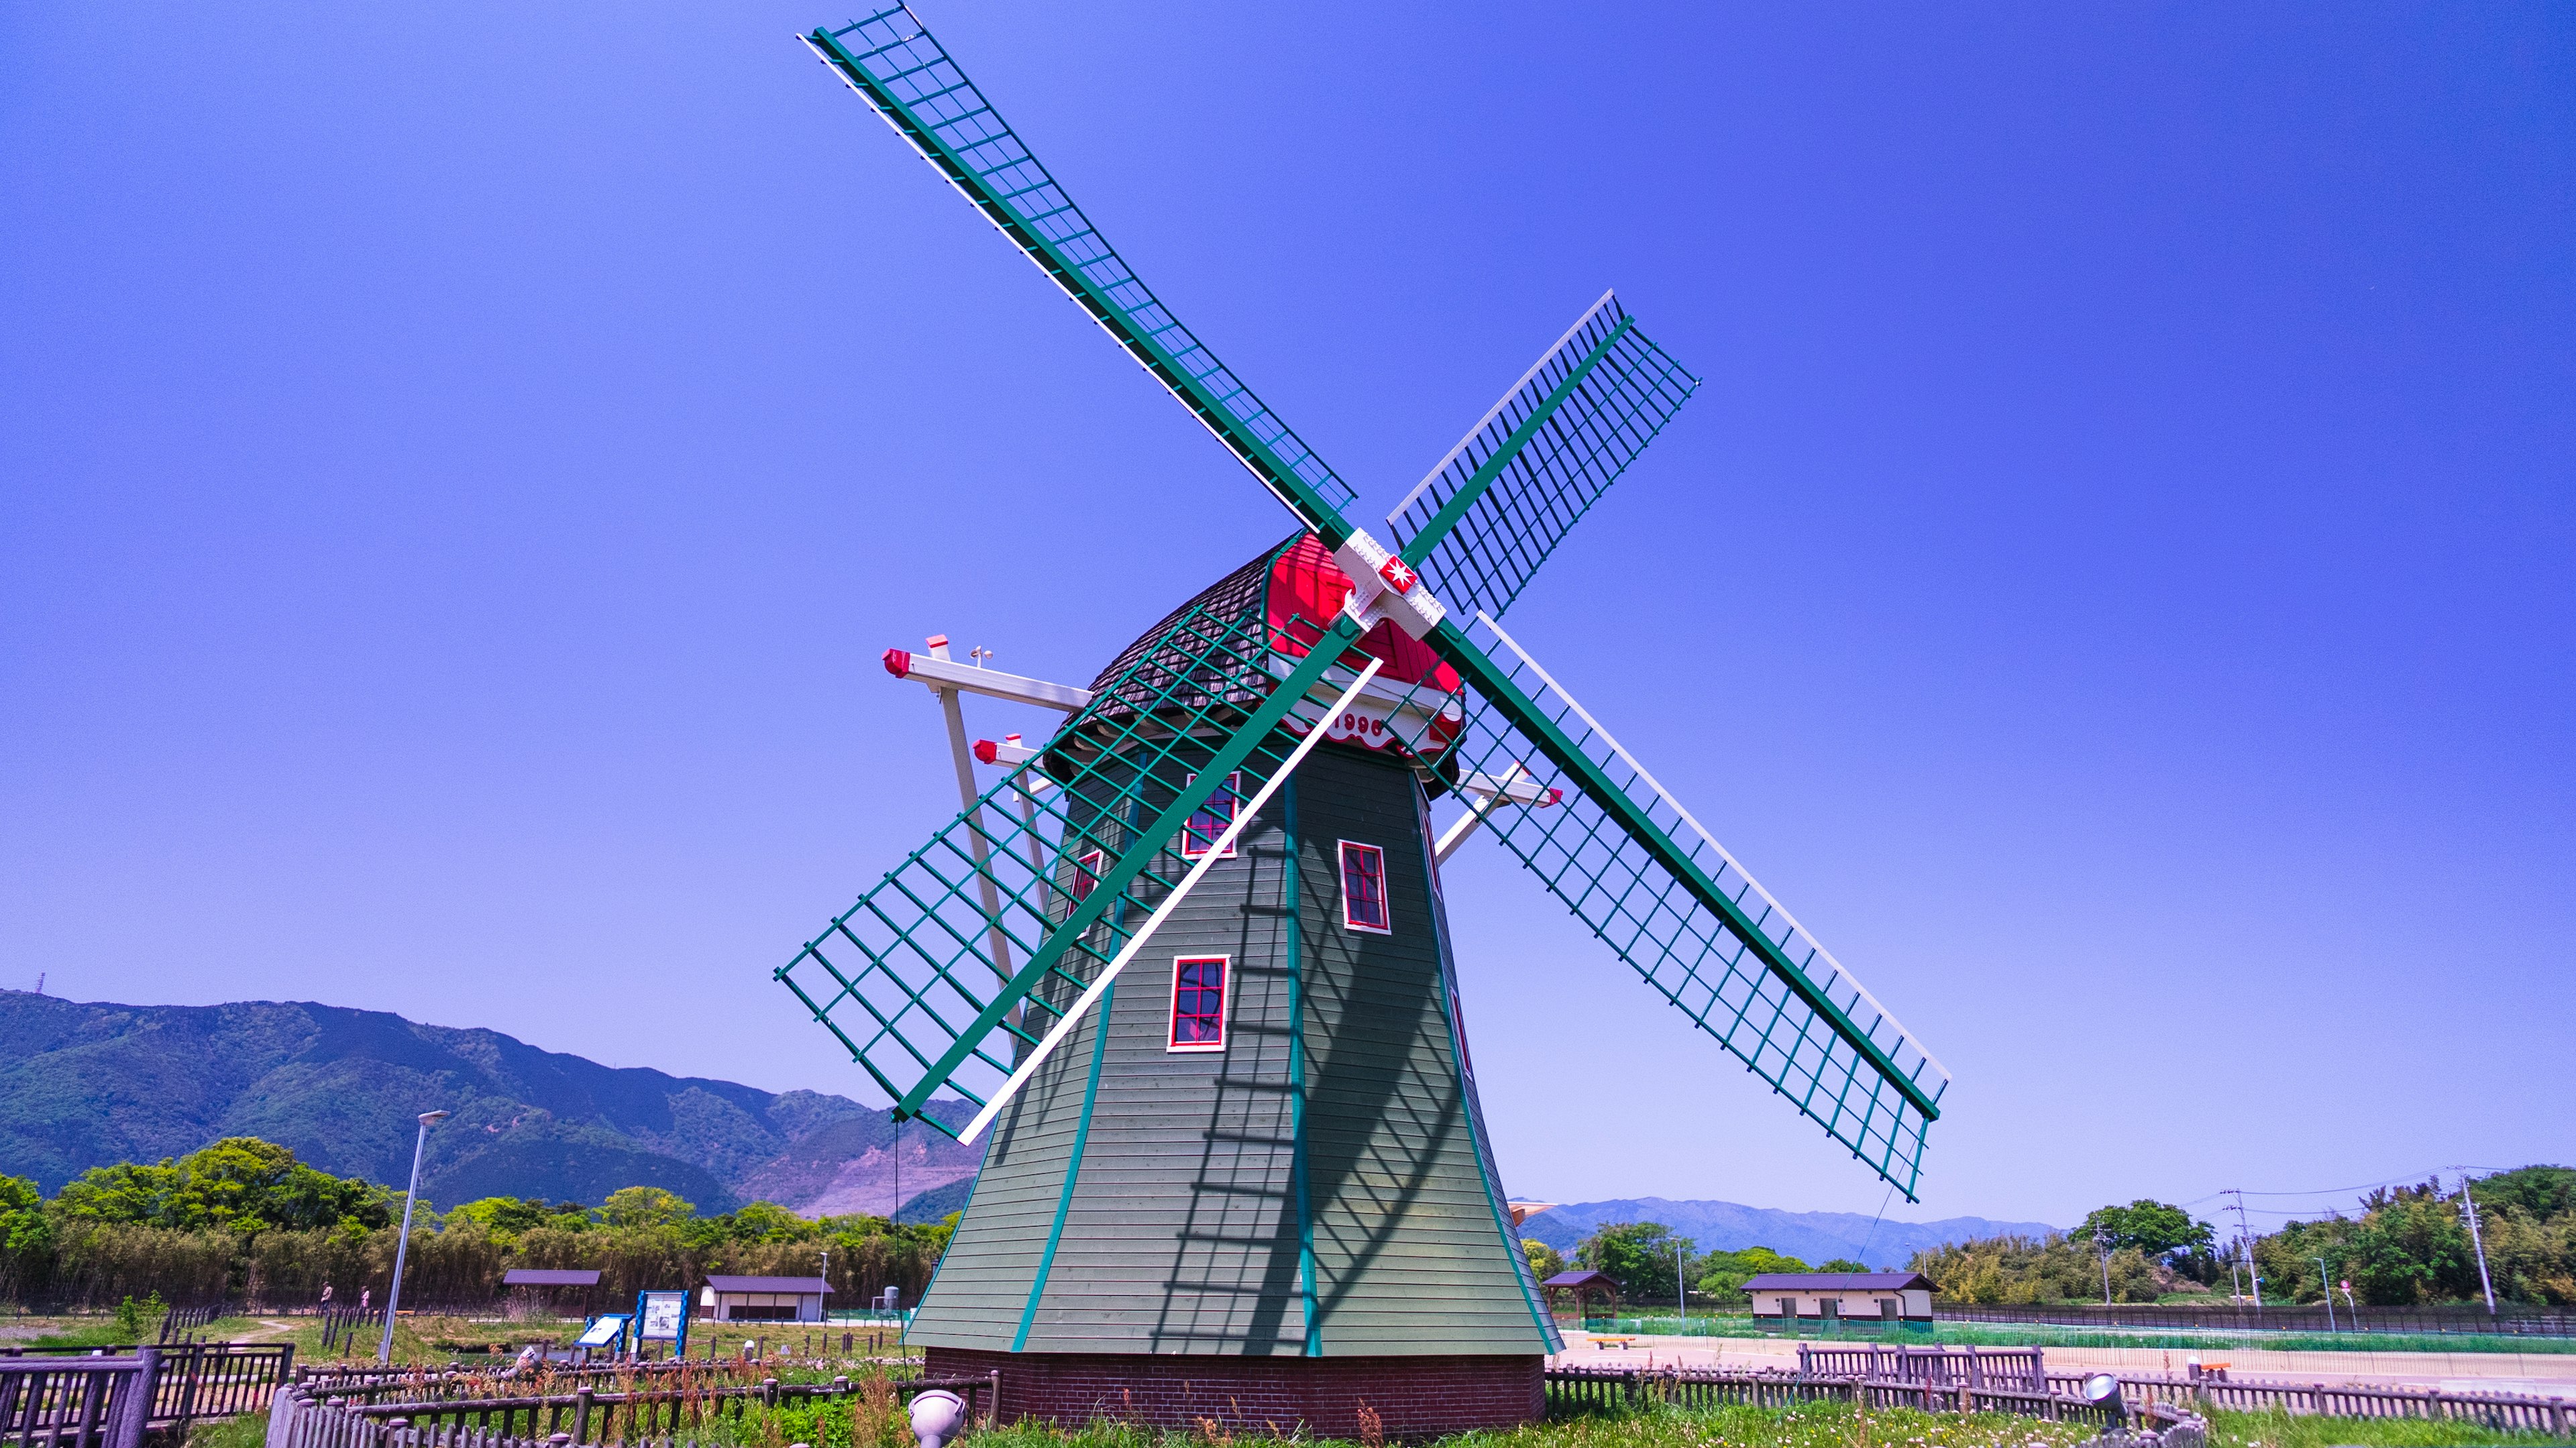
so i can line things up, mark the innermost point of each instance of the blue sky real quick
(459, 466)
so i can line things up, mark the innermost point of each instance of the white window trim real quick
(1224, 1008)
(1234, 791)
(1341, 884)
(1089, 862)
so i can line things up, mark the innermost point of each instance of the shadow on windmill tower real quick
(1186, 968)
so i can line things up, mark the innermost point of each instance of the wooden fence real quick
(365, 1383)
(1720, 1387)
(299, 1419)
(2554, 1416)
(190, 1381)
(53, 1401)
(2000, 1367)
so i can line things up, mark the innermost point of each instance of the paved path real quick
(2463, 1372)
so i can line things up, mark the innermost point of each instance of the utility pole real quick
(402, 1247)
(2102, 1242)
(2326, 1278)
(2245, 1239)
(2476, 1240)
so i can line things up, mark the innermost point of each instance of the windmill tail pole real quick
(1224, 846)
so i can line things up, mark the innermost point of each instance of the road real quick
(2543, 1374)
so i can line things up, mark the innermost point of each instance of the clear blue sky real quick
(459, 465)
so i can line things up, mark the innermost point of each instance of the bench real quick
(1607, 1343)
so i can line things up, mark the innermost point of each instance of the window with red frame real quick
(1209, 821)
(1364, 888)
(1198, 1003)
(1086, 875)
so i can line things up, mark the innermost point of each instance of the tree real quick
(770, 1222)
(26, 1235)
(1639, 1256)
(1544, 1261)
(1722, 1275)
(2542, 1193)
(503, 1217)
(240, 1184)
(644, 1207)
(2150, 1227)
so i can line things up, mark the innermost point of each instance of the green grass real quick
(2284, 1430)
(250, 1430)
(1812, 1425)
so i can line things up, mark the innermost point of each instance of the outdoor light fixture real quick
(937, 1416)
(402, 1248)
(2102, 1390)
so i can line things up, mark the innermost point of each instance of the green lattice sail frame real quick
(1076, 848)
(1622, 854)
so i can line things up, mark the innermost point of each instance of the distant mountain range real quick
(1811, 1236)
(90, 1084)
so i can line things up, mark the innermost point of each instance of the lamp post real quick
(402, 1246)
(2102, 1240)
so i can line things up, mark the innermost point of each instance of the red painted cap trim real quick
(987, 751)
(898, 662)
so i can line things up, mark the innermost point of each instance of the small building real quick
(1787, 1299)
(764, 1299)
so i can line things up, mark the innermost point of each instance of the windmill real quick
(1186, 969)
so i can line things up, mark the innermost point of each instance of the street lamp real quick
(2102, 1239)
(402, 1247)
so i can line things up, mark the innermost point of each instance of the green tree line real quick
(1650, 1263)
(2405, 1246)
(244, 1220)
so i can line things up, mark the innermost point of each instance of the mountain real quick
(1811, 1236)
(89, 1084)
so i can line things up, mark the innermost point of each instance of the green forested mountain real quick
(92, 1084)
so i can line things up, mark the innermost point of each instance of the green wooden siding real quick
(1182, 1232)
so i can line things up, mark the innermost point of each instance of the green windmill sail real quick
(1189, 964)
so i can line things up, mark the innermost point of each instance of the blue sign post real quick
(662, 1317)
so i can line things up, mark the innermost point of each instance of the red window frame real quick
(1190, 975)
(1206, 824)
(1086, 873)
(1372, 861)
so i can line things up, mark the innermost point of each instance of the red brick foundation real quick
(1414, 1397)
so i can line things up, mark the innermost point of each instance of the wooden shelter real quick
(552, 1287)
(1582, 1283)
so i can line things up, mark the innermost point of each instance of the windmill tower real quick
(1187, 967)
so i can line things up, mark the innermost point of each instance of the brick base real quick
(1414, 1397)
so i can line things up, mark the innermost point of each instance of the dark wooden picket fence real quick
(190, 1381)
(2024, 1368)
(2552, 1415)
(61, 1401)
(1722, 1387)
(646, 1415)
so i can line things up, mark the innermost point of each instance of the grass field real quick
(1817, 1425)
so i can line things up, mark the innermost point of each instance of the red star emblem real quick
(1397, 575)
